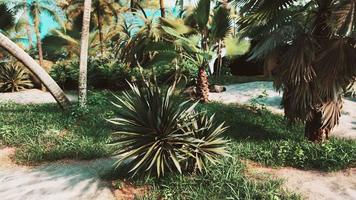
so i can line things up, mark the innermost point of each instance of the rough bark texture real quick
(202, 85)
(314, 131)
(84, 54)
(36, 69)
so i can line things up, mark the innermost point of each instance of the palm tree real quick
(317, 40)
(220, 27)
(22, 9)
(33, 10)
(29, 62)
(103, 13)
(84, 54)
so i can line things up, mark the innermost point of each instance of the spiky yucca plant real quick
(13, 78)
(156, 134)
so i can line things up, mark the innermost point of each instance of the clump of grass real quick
(227, 180)
(45, 133)
(269, 139)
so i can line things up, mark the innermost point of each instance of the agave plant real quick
(157, 135)
(13, 78)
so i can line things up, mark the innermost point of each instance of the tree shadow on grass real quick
(251, 124)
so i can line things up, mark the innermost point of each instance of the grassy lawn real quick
(44, 133)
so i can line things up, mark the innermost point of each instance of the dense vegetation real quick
(153, 129)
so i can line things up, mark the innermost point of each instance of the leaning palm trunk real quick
(202, 85)
(36, 69)
(84, 54)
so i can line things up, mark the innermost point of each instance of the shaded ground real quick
(32, 96)
(313, 185)
(262, 93)
(60, 180)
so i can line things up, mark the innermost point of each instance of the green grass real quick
(268, 139)
(45, 133)
(228, 180)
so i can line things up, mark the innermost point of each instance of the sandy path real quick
(54, 181)
(32, 96)
(246, 93)
(313, 185)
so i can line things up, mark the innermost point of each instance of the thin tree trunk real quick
(39, 42)
(27, 25)
(100, 27)
(36, 69)
(38, 37)
(84, 54)
(218, 73)
(162, 8)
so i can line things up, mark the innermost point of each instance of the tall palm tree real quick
(29, 62)
(33, 10)
(211, 33)
(84, 54)
(103, 13)
(317, 40)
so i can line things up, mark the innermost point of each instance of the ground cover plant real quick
(43, 132)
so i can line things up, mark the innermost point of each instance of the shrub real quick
(103, 72)
(13, 78)
(109, 73)
(158, 135)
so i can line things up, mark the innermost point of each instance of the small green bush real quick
(106, 72)
(156, 135)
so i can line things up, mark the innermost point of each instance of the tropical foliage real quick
(13, 78)
(157, 135)
(316, 42)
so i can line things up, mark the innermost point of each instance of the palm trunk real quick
(314, 131)
(202, 85)
(163, 10)
(202, 80)
(39, 42)
(36, 69)
(84, 55)
(27, 25)
(38, 37)
(219, 64)
(100, 27)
